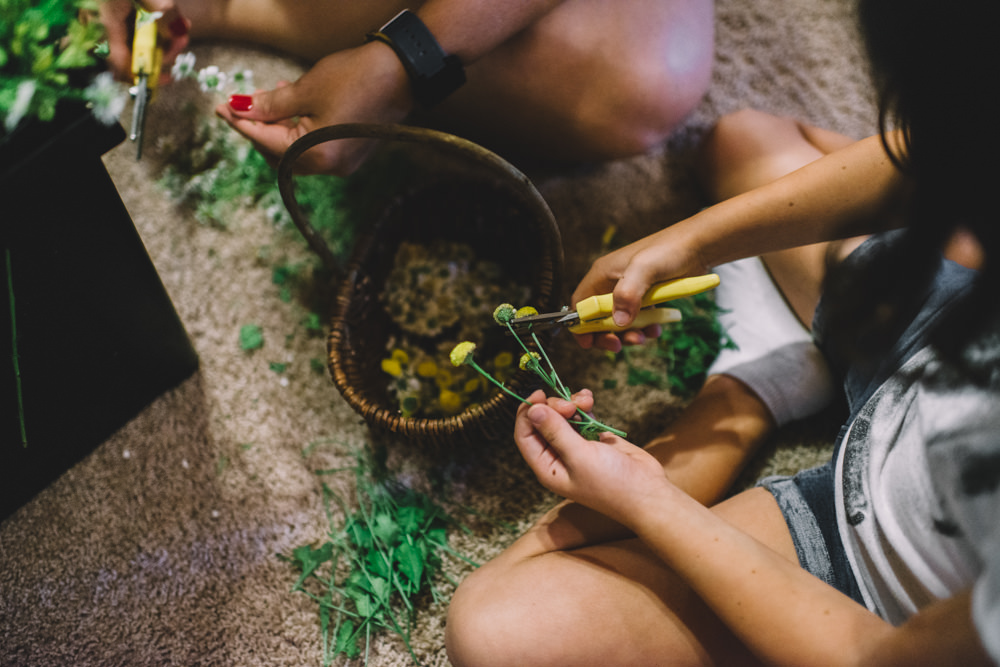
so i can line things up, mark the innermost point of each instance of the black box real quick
(97, 335)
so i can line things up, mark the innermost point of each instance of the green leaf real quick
(364, 601)
(410, 561)
(385, 528)
(251, 337)
(309, 559)
(381, 590)
(347, 641)
(411, 518)
(378, 564)
(359, 534)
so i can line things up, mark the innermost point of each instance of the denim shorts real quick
(807, 498)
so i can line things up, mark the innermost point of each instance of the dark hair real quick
(933, 65)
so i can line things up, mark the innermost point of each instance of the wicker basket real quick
(499, 214)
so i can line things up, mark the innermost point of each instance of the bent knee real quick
(475, 625)
(509, 615)
(645, 70)
(746, 148)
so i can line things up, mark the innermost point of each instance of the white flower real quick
(242, 81)
(22, 102)
(183, 66)
(211, 79)
(107, 98)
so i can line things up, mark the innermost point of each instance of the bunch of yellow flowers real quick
(536, 361)
(427, 386)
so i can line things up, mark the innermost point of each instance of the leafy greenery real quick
(251, 337)
(684, 350)
(220, 175)
(376, 564)
(42, 45)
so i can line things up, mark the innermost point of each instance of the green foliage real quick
(41, 44)
(220, 175)
(684, 350)
(378, 561)
(251, 337)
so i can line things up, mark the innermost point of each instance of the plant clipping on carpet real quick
(680, 358)
(377, 566)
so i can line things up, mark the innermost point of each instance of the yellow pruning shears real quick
(593, 314)
(147, 59)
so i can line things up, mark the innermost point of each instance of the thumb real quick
(627, 297)
(268, 105)
(553, 427)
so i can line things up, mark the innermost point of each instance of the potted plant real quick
(88, 335)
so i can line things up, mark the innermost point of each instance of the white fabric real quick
(918, 503)
(775, 355)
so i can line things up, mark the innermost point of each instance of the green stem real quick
(492, 379)
(15, 356)
(552, 379)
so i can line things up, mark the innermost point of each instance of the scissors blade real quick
(141, 92)
(523, 326)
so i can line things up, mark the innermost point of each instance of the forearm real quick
(785, 615)
(853, 191)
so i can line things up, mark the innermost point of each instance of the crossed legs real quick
(576, 589)
(588, 80)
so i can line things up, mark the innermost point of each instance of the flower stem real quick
(551, 378)
(472, 362)
(13, 343)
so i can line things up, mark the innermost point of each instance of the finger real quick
(586, 341)
(582, 400)
(608, 341)
(554, 430)
(115, 17)
(527, 438)
(280, 103)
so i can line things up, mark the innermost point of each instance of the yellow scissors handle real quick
(601, 306)
(642, 320)
(147, 56)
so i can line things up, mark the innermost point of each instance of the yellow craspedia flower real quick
(444, 377)
(462, 353)
(504, 313)
(529, 360)
(472, 385)
(427, 368)
(392, 367)
(526, 311)
(503, 359)
(400, 356)
(450, 401)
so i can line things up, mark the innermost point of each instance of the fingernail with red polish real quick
(178, 27)
(241, 102)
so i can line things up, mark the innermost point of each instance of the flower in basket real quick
(48, 53)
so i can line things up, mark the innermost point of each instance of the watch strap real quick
(433, 74)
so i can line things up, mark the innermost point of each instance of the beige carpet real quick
(159, 548)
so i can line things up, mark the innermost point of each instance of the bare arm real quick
(367, 83)
(782, 613)
(853, 191)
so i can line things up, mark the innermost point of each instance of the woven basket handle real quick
(448, 142)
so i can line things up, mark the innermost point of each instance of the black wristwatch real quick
(433, 74)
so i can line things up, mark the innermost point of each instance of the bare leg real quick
(610, 604)
(589, 80)
(573, 589)
(748, 149)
